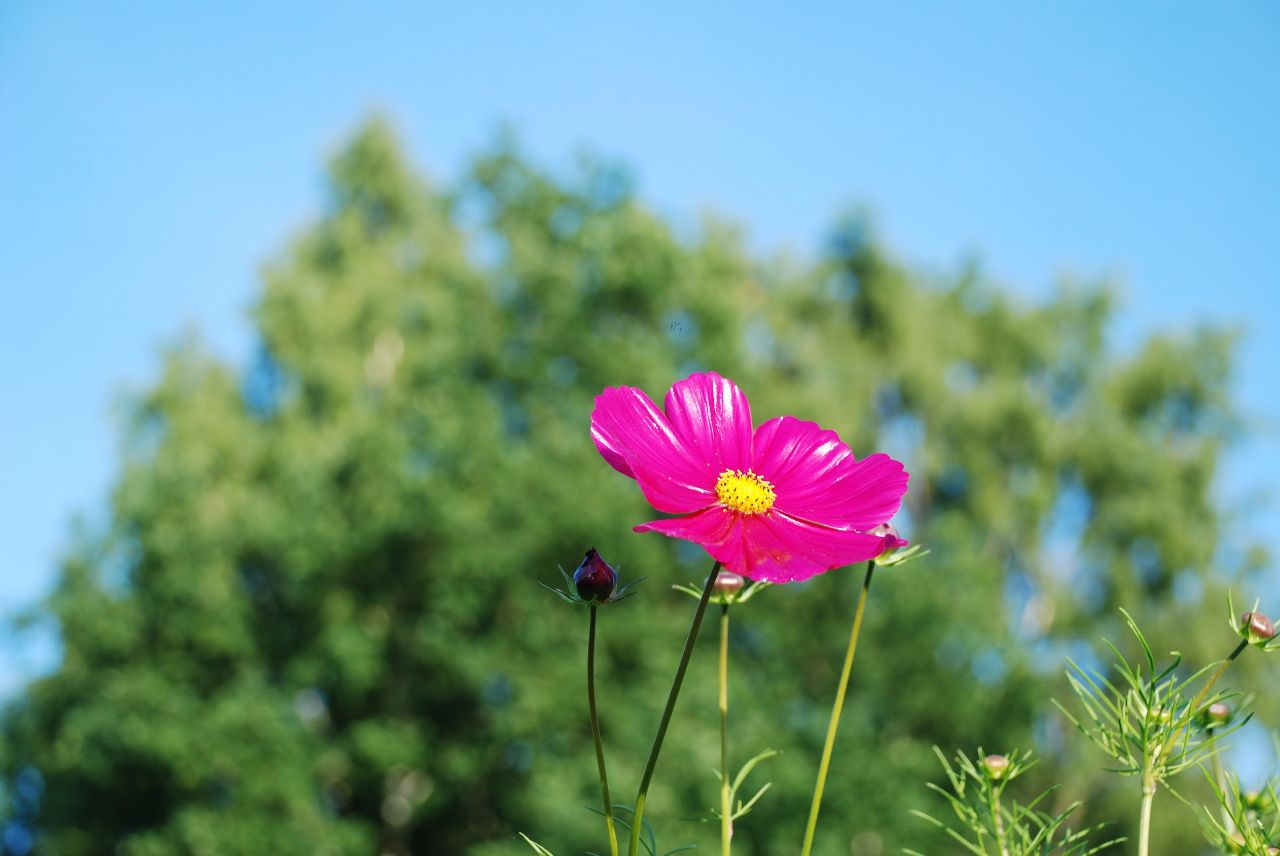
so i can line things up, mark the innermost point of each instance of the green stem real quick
(997, 820)
(726, 806)
(1204, 691)
(1220, 776)
(595, 734)
(1149, 781)
(1144, 821)
(637, 815)
(836, 708)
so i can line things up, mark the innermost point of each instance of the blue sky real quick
(154, 155)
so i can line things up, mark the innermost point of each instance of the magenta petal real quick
(715, 529)
(637, 440)
(863, 494)
(713, 418)
(772, 547)
(818, 479)
(781, 549)
(893, 542)
(793, 454)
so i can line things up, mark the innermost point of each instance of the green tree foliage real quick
(312, 624)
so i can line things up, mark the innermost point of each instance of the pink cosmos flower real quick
(782, 502)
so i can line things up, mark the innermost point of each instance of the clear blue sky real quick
(153, 155)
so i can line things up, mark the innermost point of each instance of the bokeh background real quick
(305, 305)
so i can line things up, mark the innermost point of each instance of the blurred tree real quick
(312, 624)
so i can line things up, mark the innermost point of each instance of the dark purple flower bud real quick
(1257, 628)
(996, 766)
(594, 579)
(728, 584)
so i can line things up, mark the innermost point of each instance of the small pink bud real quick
(1257, 628)
(996, 766)
(890, 541)
(1217, 714)
(728, 584)
(594, 579)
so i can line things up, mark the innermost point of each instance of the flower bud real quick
(594, 579)
(996, 766)
(1216, 715)
(890, 542)
(728, 584)
(1257, 628)
(1257, 802)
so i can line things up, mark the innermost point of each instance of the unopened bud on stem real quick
(1257, 628)
(1217, 715)
(728, 584)
(594, 579)
(890, 541)
(996, 766)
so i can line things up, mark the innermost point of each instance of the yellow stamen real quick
(744, 491)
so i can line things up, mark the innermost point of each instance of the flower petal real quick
(772, 547)
(715, 529)
(892, 542)
(713, 418)
(637, 440)
(779, 548)
(818, 479)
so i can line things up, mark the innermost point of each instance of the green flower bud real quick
(996, 766)
(1256, 801)
(1216, 715)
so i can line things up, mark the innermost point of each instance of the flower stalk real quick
(836, 709)
(996, 767)
(726, 804)
(1220, 778)
(998, 820)
(595, 734)
(1149, 779)
(637, 815)
(1208, 685)
(1144, 819)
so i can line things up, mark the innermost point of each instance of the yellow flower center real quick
(744, 491)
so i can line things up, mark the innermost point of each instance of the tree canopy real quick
(312, 623)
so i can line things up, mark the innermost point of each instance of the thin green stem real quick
(1220, 776)
(1144, 820)
(726, 807)
(836, 708)
(993, 796)
(595, 734)
(1149, 780)
(637, 815)
(1204, 691)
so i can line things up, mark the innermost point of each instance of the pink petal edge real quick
(713, 418)
(772, 547)
(818, 478)
(637, 440)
